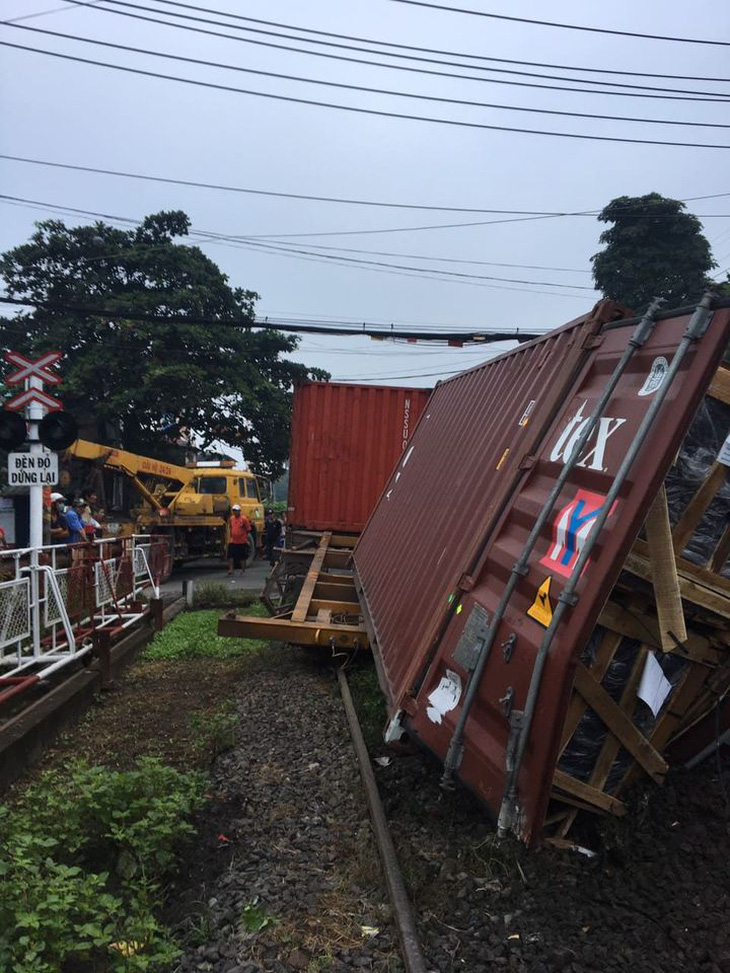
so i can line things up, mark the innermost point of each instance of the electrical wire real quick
(359, 110)
(331, 199)
(675, 94)
(485, 337)
(59, 207)
(374, 266)
(551, 23)
(409, 47)
(343, 86)
(44, 13)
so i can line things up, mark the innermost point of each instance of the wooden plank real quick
(335, 607)
(590, 795)
(299, 633)
(665, 578)
(301, 609)
(720, 385)
(341, 590)
(620, 724)
(577, 706)
(697, 506)
(611, 745)
(692, 585)
(722, 552)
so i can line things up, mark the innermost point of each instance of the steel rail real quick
(402, 910)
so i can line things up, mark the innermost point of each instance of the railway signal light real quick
(58, 430)
(12, 430)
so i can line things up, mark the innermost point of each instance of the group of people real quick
(239, 529)
(75, 521)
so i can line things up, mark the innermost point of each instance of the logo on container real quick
(568, 440)
(571, 528)
(406, 424)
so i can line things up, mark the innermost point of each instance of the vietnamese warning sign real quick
(541, 609)
(32, 469)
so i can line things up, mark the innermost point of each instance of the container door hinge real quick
(507, 700)
(508, 646)
(527, 462)
(466, 582)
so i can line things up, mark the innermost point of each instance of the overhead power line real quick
(668, 93)
(484, 337)
(422, 273)
(408, 47)
(552, 23)
(354, 109)
(43, 205)
(343, 86)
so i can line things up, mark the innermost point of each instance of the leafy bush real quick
(193, 635)
(81, 858)
(213, 594)
(216, 730)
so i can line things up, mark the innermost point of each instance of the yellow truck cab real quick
(191, 504)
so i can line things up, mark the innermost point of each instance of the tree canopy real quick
(653, 249)
(134, 379)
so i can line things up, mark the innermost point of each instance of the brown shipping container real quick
(346, 439)
(437, 554)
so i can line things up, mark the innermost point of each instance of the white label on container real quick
(657, 374)
(445, 696)
(724, 455)
(527, 413)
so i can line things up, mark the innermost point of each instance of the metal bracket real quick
(508, 646)
(527, 462)
(507, 701)
(568, 598)
(466, 582)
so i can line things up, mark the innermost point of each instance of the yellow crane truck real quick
(190, 504)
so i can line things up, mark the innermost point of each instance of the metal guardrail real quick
(54, 600)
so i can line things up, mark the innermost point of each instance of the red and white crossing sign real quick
(30, 368)
(20, 401)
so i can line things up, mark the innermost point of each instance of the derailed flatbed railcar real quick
(464, 609)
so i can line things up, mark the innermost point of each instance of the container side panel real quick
(439, 525)
(345, 441)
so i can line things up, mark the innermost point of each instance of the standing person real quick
(273, 528)
(76, 526)
(59, 524)
(239, 527)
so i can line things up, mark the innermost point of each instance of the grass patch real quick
(213, 594)
(84, 854)
(369, 703)
(193, 635)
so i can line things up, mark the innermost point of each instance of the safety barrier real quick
(54, 601)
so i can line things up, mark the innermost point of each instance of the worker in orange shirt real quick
(239, 527)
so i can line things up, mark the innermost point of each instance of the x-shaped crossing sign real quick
(33, 369)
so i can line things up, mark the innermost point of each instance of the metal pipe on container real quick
(696, 328)
(639, 337)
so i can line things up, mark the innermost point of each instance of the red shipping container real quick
(346, 439)
(433, 564)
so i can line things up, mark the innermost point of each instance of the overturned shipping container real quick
(506, 636)
(346, 439)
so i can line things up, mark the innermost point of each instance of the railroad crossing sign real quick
(36, 369)
(23, 399)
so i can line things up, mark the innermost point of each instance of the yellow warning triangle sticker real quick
(541, 609)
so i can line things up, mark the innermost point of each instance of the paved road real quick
(214, 572)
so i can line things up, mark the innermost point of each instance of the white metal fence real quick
(54, 599)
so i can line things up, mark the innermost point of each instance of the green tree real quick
(653, 249)
(130, 380)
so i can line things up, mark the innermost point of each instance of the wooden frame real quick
(675, 607)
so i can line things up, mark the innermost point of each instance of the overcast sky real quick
(81, 114)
